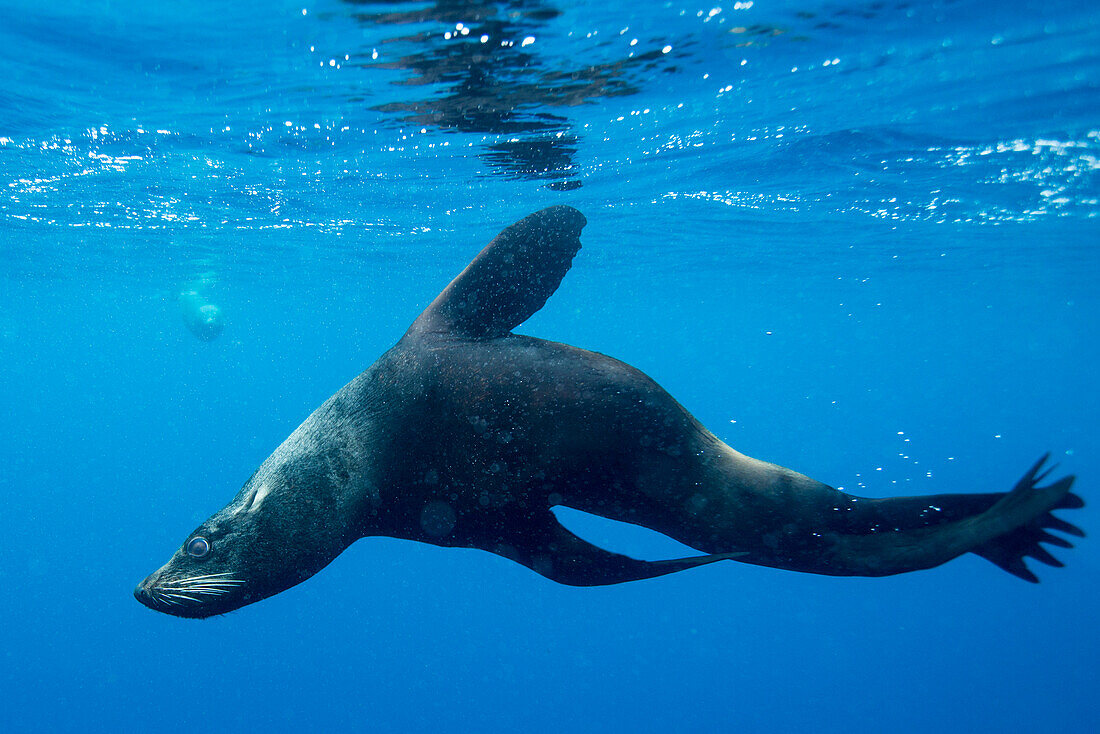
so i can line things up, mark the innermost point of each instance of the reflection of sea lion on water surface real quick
(203, 319)
(466, 435)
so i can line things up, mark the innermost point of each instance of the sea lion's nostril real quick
(142, 593)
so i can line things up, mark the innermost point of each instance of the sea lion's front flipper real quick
(561, 556)
(509, 280)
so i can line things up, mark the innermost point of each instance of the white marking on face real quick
(258, 498)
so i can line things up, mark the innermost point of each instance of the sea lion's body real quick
(466, 435)
(531, 424)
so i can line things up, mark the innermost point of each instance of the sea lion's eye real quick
(197, 547)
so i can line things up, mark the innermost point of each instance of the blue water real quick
(859, 240)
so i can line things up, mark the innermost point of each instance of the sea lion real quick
(466, 435)
(202, 318)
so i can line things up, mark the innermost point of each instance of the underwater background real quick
(858, 239)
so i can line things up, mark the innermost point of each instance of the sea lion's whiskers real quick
(181, 596)
(199, 590)
(157, 597)
(223, 583)
(211, 592)
(207, 576)
(203, 585)
(215, 584)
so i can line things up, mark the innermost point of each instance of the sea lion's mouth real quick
(190, 596)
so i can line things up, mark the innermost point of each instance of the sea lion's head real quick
(286, 524)
(203, 318)
(207, 322)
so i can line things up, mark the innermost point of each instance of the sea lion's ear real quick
(509, 280)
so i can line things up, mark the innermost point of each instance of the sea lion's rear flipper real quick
(1009, 549)
(509, 280)
(1004, 528)
(559, 555)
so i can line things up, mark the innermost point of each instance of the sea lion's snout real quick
(142, 595)
(143, 592)
(195, 596)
